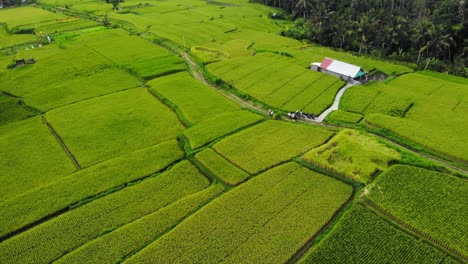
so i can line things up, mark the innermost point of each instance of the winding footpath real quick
(335, 104)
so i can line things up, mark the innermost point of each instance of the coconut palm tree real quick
(303, 7)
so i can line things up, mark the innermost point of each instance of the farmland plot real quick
(49, 241)
(222, 168)
(265, 145)
(271, 79)
(218, 126)
(64, 76)
(112, 125)
(30, 156)
(27, 15)
(8, 40)
(362, 237)
(196, 101)
(12, 111)
(48, 198)
(139, 233)
(353, 154)
(265, 220)
(148, 61)
(434, 203)
(423, 108)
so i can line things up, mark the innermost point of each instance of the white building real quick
(340, 69)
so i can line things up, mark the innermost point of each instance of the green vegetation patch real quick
(27, 15)
(139, 233)
(423, 108)
(195, 100)
(9, 40)
(110, 126)
(64, 76)
(362, 237)
(147, 61)
(30, 156)
(271, 78)
(266, 220)
(11, 110)
(432, 202)
(354, 155)
(218, 126)
(265, 145)
(343, 116)
(222, 168)
(77, 188)
(56, 237)
(208, 55)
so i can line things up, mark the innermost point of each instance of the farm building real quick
(340, 69)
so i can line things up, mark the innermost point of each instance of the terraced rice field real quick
(433, 203)
(113, 149)
(422, 107)
(270, 79)
(359, 239)
(270, 143)
(263, 221)
(353, 155)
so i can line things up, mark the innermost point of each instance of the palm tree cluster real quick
(430, 33)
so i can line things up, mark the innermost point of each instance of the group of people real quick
(299, 114)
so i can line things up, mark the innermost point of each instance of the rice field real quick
(114, 150)
(110, 126)
(354, 155)
(270, 143)
(431, 202)
(359, 239)
(422, 107)
(271, 79)
(262, 221)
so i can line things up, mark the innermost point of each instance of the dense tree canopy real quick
(431, 33)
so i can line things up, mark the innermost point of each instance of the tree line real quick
(431, 33)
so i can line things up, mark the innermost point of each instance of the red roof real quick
(325, 63)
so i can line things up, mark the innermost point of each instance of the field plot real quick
(12, 111)
(212, 128)
(112, 125)
(434, 203)
(27, 15)
(59, 25)
(362, 237)
(422, 107)
(49, 241)
(271, 79)
(222, 168)
(193, 99)
(148, 61)
(48, 198)
(353, 154)
(134, 236)
(343, 116)
(197, 22)
(265, 220)
(265, 145)
(30, 156)
(8, 40)
(63, 76)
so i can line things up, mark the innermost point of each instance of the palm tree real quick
(303, 6)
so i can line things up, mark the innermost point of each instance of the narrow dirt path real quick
(197, 74)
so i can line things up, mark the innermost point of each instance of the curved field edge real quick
(246, 225)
